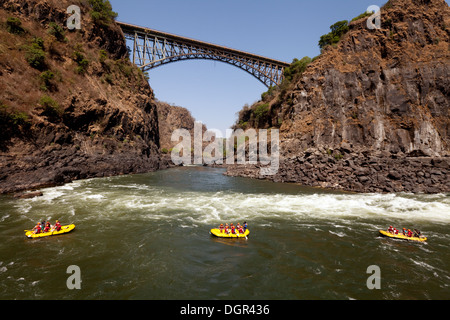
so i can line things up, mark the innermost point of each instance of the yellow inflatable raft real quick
(64, 229)
(402, 237)
(218, 233)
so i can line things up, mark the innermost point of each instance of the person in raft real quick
(57, 226)
(233, 228)
(47, 227)
(37, 229)
(394, 231)
(238, 229)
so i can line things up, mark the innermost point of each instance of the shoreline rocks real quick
(359, 172)
(28, 195)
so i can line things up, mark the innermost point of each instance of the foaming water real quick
(149, 235)
(209, 207)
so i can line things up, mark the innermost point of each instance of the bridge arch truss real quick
(153, 48)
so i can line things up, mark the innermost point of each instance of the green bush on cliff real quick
(35, 54)
(261, 113)
(82, 66)
(12, 118)
(19, 118)
(80, 59)
(102, 56)
(57, 31)
(47, 80)
(14, 25)
(50, 108)
(268, 94)
(362, 15)
(337, 31)
(102, 12)
(297, 67)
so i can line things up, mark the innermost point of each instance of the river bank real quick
(57, 165)
(361, 173)
(358, 172)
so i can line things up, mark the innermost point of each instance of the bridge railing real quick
(153, 48)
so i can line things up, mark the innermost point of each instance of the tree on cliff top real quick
(337, 31)
(102, 12)
(297, 67)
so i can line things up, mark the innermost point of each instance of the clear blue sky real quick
(213, 91)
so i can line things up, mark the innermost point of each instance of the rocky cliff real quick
(72, 106)
(172, 118)
(371, 113)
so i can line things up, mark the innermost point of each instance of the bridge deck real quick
(133, 29)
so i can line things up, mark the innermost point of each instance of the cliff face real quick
(71, 104)
(372, 113)
(383, 90)
(172, 118)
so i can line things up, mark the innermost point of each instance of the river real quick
(147, 237)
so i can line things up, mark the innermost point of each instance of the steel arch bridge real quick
(152, 48)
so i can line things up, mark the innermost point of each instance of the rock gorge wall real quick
(371, 114)
(85, 112)
(172, 118)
